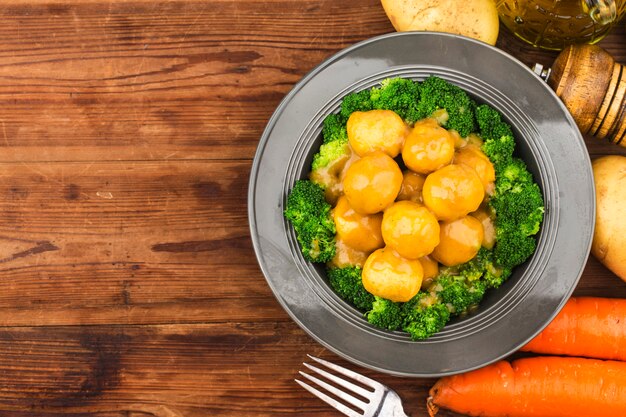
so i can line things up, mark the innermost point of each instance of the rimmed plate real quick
(548, 140)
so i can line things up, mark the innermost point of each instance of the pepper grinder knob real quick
(593, 88)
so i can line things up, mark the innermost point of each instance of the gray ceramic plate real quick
(548, 141)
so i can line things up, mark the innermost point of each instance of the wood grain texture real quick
(159, 80)
(147, 239)
(128, 283)
(168, 371)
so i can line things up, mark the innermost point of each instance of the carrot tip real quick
(433, 409)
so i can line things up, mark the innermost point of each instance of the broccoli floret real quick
(423, 317)
(495, 275)
(484, 267)
(359, 101)
(385, 314)
(309, 213)
(458, 293)
(520, 208)
(475, 268)
(513, 176)
(436, 93)
(334, 128)
(330, 153)
(499, 151)
(497, 135)
(348, 284)
(491, 124)
(517, 201)
(399, 95)
(519, 213)
(513, 247)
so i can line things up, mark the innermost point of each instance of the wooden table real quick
(128, 282)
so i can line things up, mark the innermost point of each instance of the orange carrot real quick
(536, 387)
(591, 327)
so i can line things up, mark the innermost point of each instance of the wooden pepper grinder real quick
(593, 87)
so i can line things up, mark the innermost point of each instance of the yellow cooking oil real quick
(554, 24)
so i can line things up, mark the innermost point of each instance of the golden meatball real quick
(410, 229)
(453, 192)
(376, 130)
(412, 184)
(372, 183)
(430, 266)
(428, 147)
(460, 241)
(360, 231)
(388, 275)
(472, 156)
(489, 228)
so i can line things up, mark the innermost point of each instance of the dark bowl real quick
(548, 141)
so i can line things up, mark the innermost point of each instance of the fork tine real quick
(342, 382)
(357, 377)
(330, 401)
(341, 394)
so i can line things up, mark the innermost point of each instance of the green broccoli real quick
(348, 284)
(437, 93)
(334, 128)
(499, 151)
(458, 293)
(485, 268)
(517, 201)
(497, 135)
(519, 213)
(309, 213)
(424, 316)
(490, 123)
(399, 95)
(512, 176)
(330, 153)
(385, 314)
(521, 207)
(429, 311)
(475, 268)
(512, 247)
(359, 101)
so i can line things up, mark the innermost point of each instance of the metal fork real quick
(381, 402)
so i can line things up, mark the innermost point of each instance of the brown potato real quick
(476, 19)
(609, 240)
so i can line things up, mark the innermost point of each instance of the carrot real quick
(586, 326)
(536, 387)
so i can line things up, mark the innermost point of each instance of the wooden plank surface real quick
(128, 283)
(158, 80)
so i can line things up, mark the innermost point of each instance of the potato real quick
(609, 239)
(476, 19)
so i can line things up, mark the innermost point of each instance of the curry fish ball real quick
(428, 147)
(388, 275)
(359, 231)
(376, 130)
(460, 241)
(453, 191)
(410, 229)
(372, 183)
(412, 184)
(431, 268)
(475, 158)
